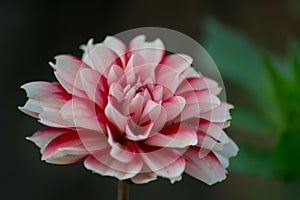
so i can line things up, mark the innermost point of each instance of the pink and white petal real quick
(229, 150)
(41, 90)
(198, 83)
(223, 160)
(173, 106)
(191, 72)
(113, 114)
(64, 149)
(78, 107)
(197, 107)
(175, 179)
(152, 52)
(32, 107)
(123, 153)
(116, 90)
(218, 114)
(160, 122)
(52, 65)
(116, 75)
(55, 100)
(223, 125)
(135, 60)
(145, 73)
(69, 146)
(146, 92)
(102, 163)
(196, 122)
(92, 77)
(214, 131)
(145, 176)
(151, 112)
(130, 93)
(189, 111)
(210, 135)
(102, 59)
(167, 77)
(206, 100)
(179, 62)
(83, 113)
(45, 94)
(117, 46)
(65, 156)
(86, 50)
(95, 123)
(207, 144)
(68, 68)
(42, 137)
(161, 93)
(137, 132)
(95, 86)
(207, 169)
(52, 117)
(136, 106)
(165, 162)
(71, 89)
(92, 141)
(174, 135)
(157, 93)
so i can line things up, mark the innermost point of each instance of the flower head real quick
(132, 113)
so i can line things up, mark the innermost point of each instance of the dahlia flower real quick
(133, 113)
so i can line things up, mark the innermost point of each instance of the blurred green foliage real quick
(265, 89)
(285, 96)
(294, 8)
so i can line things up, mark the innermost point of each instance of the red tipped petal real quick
(64, 149)
(102, 163)
(179, 62)
(95, 86)
(173, 106)
(42, 137)
(165, 162)
(117, 46)
(174, 135)
(103, 58)
(207, 169)
(152, 52)
(218, 114)
(83, 113)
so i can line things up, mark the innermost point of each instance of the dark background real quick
(33, 32)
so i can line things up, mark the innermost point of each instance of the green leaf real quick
(288, 153)
(243, 117)
(283, 94)
(294, 58)
(272, 84)
(294, 8)
(254, 161)
(237, 57)
(275, 85)
(239, 62)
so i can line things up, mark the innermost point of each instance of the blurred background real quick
(254, 44)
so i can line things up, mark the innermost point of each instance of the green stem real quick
(123, 190)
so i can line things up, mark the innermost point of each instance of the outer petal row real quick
(207, 169)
